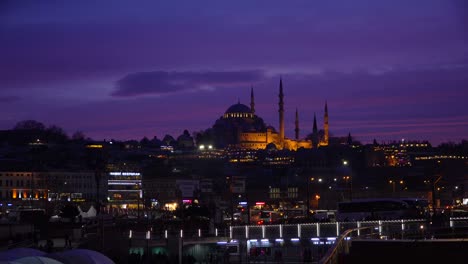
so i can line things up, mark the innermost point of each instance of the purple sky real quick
(129, 69)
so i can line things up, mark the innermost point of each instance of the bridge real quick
(246, 242)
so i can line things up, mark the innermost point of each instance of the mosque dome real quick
(238, 108)
(238, 111)
(271, 128)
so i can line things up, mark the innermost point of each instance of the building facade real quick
(240, 127)
(125, 190)
(19, 187)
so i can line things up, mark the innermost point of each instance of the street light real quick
(347, 171)
(392, 182)
(309, 180)
(130, 235)
(308, 195)
(317, 197)
(148, 237)
(393, 185)
(347, 180)
(229, 181)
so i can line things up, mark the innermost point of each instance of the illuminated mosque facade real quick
(240, 127)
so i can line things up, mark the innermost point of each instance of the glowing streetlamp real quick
(393, 182)
(393, 185)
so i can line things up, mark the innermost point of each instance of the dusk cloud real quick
(163, 82)
(8, 99)
(376, 63)
(366, 88)
(50, 43)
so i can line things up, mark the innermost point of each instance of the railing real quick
(385, 229)
(195, 236)
(342, 244)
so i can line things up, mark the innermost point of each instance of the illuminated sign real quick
(94, 146)
(124, 182)
(124, 173)
(167, 148)
(260, 203)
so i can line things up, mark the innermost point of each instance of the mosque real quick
(241, 128)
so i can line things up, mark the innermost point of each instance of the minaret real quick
(297, 125)
(325, 125)
(281, 114)
(252, 101)
(314, 130)
(315, 133)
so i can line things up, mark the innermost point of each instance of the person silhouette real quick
(49, 245)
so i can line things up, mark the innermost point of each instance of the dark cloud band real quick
(162, 82)
(8, 99)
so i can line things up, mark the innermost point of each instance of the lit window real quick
(274, 192)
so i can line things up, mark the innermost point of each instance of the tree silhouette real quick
(169, 140)
(78, 136)
(97, 161)
(56, 134)
(69, 211)
(156, 142)
(29, 125)
(144, 142)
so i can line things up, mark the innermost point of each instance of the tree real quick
(97, 161)
(156, 142)
(144, 142)
(78, 136)
(185, 141)
(169, 140)
(56, 134)
(29, 125)
(198, 136)
(69, 210)
(204, 137)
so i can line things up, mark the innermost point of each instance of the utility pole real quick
(138, 204)
(308, 197)
(434, 200)
(232, 201)
(248, 211)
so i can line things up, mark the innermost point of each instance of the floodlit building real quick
(125, 190)
(239, 127)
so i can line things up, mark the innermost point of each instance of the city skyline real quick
(118, 70)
